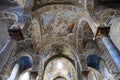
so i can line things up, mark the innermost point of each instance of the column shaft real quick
(113, 50)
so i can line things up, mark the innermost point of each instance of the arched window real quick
(25, 76)
(25, 65)
(19, 70)
(14, 72)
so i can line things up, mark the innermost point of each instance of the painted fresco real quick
(59, 23)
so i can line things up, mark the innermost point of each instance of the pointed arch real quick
(19, 66)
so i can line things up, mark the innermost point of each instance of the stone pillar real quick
(85, 70)
(6, 51)
(102, 33)
(85, 75)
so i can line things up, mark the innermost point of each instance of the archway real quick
(60, 66)
(97, 66)
(59, 49)
(20, 66)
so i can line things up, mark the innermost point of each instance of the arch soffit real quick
(56, 74)
(13, 60)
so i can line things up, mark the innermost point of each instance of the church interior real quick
(59, 39)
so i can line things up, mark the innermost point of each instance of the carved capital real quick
(34, 74)
(85, 73)
(102, 31)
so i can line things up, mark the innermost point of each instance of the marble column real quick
(112, 49)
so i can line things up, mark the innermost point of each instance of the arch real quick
(58, 41)
(97, 63)
(59, 77)
(57, 56)
(48, 47)
(14, 58)
(24, 63)
(63, 77)
(58, 65)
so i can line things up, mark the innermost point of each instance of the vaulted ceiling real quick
(60, 27)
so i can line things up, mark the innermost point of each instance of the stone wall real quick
(3, 34)
(115, 31)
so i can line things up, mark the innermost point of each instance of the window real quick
(14, 72)
(25, 76)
